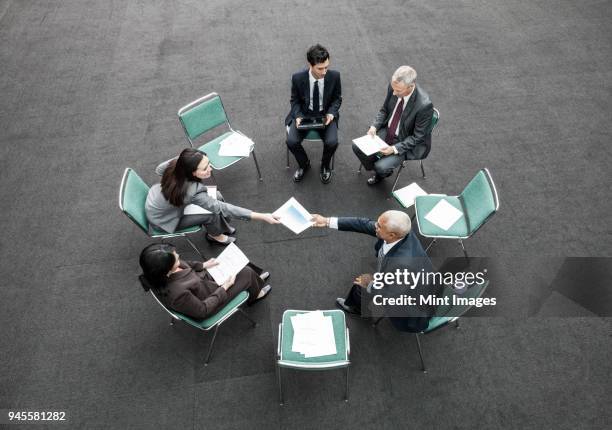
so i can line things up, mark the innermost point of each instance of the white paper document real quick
(444, 215)
(195, 210)
(231, 261)
(313, 334)
(236, 145)
(407, 194)
(211, 190)
(370, 145)
(293, 216)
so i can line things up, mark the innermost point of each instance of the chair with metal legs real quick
(448, 314)
(132, 196)
(478, 202)
(212, 322)
(311, 136)
(203, 115)
(287, 358)
(434, 122)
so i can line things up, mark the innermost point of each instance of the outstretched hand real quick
(319, 220)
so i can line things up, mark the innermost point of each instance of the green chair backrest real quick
(132, 199)
(479, 201)
(434, 120)
(446, 313)
(203, 117)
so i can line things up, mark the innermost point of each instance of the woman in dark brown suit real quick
(186, 286)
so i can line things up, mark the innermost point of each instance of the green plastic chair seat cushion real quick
(212, 152)
(312, 135)
(436, 322)
(289, 357)
(424, 204)
(159, 233)
(210, 322)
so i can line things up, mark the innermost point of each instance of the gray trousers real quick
(215, 224)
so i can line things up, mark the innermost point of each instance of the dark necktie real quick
(394, 122)
(315, 97)
(381, 257)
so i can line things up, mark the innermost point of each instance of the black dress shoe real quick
(348, 309)
(326, 175)
(299, 173)
(375, 180)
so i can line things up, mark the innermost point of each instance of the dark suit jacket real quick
(415, 125)
(300, 95)
(407, 254)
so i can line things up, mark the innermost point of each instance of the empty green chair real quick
(132, 196)
(311, 136)
(478, 202)
(213, 322)
(203, 115)
(287, 358)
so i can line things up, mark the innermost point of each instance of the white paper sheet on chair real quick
(444, 215)
(407, 194)
(370, 145)
(313, 334)
(231, 261)
(195, 210)
(236, 145)
(293, 215)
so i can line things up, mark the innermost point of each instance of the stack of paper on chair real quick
(313, 334)
(195, 210)
(444, 215)
(231, 261)
(293, 215)
(236, 145)
(370, 145)
(407, 194)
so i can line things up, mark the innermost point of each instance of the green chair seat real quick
(436, 322)
(211, 149)
(312, 135)
(425, 204)
(210, 322)
(292, 358)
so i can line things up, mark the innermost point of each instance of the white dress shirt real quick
(321, 86)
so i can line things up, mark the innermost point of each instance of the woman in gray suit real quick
(181, 186)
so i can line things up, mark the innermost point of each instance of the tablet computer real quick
(312, 122)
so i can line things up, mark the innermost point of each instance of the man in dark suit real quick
(396, 248)
(314, 92)
(404, 122)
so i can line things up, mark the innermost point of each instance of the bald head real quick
(393, 226)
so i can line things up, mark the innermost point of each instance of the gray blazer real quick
(161, 213)
(415, 125)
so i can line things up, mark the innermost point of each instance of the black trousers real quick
(329, 136)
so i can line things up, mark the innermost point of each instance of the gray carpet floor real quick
(90, 88)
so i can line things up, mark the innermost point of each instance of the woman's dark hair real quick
(156, 261)
(178, 172)
(317, 54)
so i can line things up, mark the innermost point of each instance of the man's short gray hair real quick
(398, 222)
(404, 74)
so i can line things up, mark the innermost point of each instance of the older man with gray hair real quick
(404, 122)
(397, 248)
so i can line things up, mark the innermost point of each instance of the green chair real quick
(452, 313)
(203, 115)
(132, 196)
(434, 122)
(213, 322)
(478, 202)
(311, 136)
(444, 315)
(287, 358)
